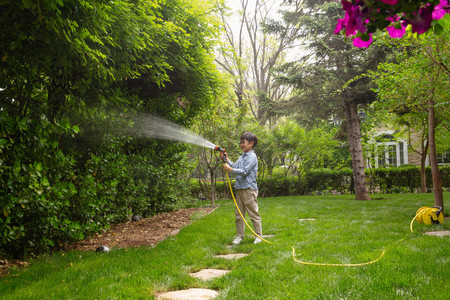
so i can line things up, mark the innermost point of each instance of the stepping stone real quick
(189, 294)
(232, 256)
(207, 274)
(267, 236)
(307, 219)
(439, 233)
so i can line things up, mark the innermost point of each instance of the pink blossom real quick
(441, 9)
(393, 31)
(360, 43)
(354, 19)
(422, 20)
(390, 2)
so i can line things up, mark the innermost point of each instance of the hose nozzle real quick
(224, 158)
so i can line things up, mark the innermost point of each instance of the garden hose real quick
(424, 215)
(235, 203)
(428, 215)
(336, 265)
(293, 249)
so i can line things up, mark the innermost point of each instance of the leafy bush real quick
(406, 178)
(36, 183)
(49, 198)
(326, 179)
(389, 180)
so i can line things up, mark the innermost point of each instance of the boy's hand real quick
(221, 156)
(226, 167)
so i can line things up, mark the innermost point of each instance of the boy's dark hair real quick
(250, 137)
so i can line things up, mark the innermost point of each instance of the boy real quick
(245, 169)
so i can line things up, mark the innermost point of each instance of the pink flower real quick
(422, 20)
(354, 19)
(390, 2)
(441, 9)
(340, 25)
(393, 30)
(360, 43)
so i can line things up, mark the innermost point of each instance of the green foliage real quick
(36, 184)
(74, 76)
(406, 178)
(280, 186)
(326, 181)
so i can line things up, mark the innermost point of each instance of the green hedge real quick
(52, 194)
(325, 181)
(406, 178)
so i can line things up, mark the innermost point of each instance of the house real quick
(388, 150)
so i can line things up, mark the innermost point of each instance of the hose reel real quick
(428, 215)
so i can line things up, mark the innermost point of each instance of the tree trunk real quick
(423, 179)
(437, 183)
(354, 140)
(213, 186)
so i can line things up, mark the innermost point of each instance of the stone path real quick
(189, 294)
(205, 274)
(232, 256)
(439, 233)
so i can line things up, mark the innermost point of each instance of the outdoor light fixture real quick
(362, 115)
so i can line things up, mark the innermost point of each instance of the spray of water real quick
(159, 128)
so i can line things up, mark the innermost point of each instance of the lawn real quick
(345, 231)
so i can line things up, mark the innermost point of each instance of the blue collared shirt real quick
(246, 169)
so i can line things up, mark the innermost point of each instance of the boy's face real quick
(246, 145)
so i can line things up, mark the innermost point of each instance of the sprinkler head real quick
(217, 148)
(102, 249)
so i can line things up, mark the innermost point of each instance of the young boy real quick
(245, 169)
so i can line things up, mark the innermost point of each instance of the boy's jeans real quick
(247, 202)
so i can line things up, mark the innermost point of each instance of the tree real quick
(418, 82)
(221, 123)
(250, 55)
(332, 81)
(303, 150)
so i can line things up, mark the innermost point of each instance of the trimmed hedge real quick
(407, 178)
(325, 181)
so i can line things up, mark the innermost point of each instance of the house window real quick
(390, 153)
(443, 157)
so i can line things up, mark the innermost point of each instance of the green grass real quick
(345, 231)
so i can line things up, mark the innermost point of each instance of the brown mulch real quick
(145, 232)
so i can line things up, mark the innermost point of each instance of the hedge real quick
(323, 181)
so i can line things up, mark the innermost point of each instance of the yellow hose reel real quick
(428, 215)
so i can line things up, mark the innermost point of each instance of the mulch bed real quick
(145, 232)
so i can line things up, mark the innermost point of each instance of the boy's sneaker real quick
(257, 240)
(237, 240)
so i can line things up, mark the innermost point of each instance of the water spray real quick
(159, 128)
